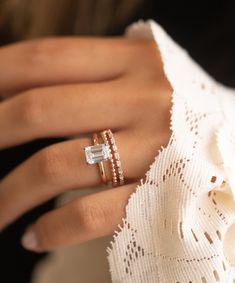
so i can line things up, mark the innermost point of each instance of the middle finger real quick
(65, 110)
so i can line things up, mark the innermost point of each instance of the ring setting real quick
(97, 153)
(104, 152)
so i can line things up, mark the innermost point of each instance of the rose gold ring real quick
(114, 160)
(101, 163)
(103, 152)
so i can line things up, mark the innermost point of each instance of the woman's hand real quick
(70, 87)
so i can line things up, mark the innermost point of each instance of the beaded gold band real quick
(105, 151)
(115, 162)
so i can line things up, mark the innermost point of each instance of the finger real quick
(61, 167)
(84, 219)
(53, 61)
(65, 110)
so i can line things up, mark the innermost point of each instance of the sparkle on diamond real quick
(96, 153)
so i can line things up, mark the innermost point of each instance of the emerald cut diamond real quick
(97, 153)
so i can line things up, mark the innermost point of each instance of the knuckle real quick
(91, 216)
(39, 52)
(31, 109)
(139, 103)
(148, 47)
(51, 164)
(151, 58)
(140, 47)
(150, 145)
(147, 98)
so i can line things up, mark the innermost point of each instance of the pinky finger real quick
(81, 220)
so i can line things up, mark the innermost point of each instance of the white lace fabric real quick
(179, 222)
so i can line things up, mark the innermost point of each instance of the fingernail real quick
(29, 240)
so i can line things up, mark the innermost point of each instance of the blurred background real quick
(205, 28)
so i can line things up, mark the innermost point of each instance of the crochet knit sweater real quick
(179, 222)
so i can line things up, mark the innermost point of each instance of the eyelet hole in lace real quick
(181, 230)
(213, 179)
(208, 237)
(218, 234)
(194, 235)
(216, 275)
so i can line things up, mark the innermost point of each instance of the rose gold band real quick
(104, 152)
(100, 164)
(115, 162)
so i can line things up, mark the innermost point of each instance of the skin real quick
(73, 87)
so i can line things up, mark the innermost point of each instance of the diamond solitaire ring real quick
(103, 153)
(98, 153)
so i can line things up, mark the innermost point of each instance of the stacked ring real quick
(101, 163)
(103, 152)
(115, 162)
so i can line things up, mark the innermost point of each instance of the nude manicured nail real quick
(29, 240)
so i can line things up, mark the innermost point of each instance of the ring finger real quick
(61, 167)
